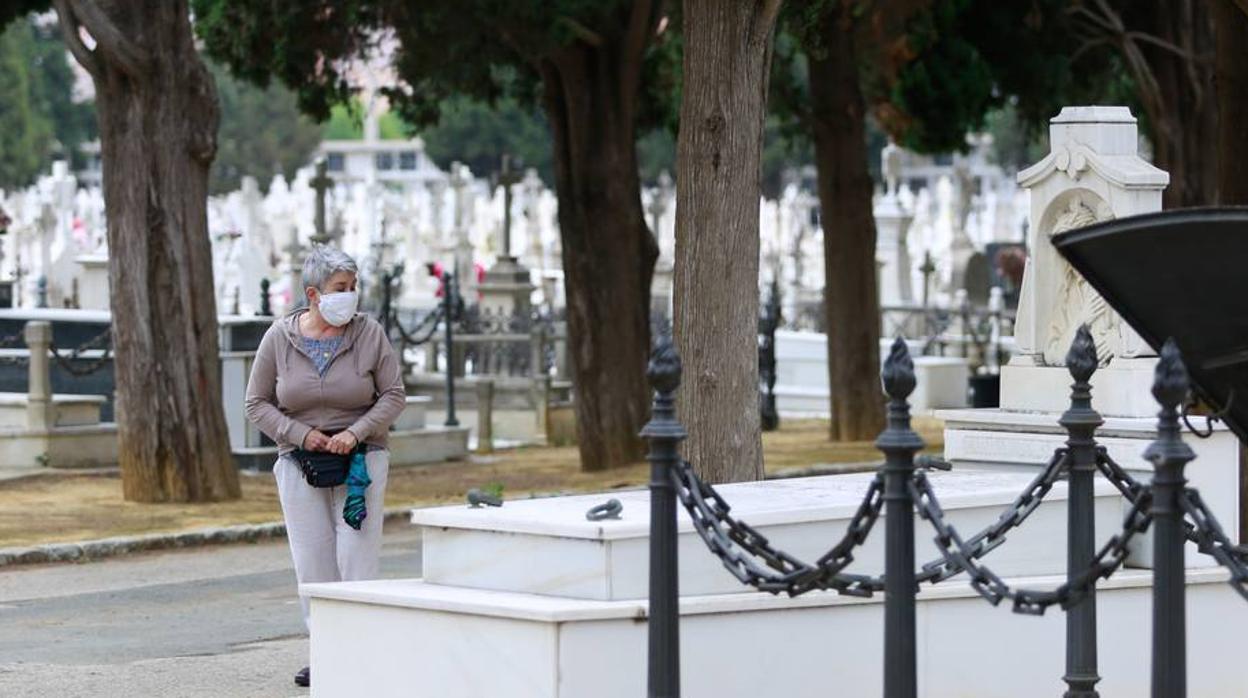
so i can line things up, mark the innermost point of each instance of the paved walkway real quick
(220, 621)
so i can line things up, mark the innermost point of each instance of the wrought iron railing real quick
(901, 487)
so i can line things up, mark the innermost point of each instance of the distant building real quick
(399, 161)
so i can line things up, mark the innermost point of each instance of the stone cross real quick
(890, 164)
(437, 189)
(460, 178)
(294, 253)
(532, 186)
(506, 178)
(321, 183)
(656, 209)
(928, 268)
(459, 181)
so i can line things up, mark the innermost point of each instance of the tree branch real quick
(583, 32)
(69, 30)
(109, 40)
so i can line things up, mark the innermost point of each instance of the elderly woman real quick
(326, 381)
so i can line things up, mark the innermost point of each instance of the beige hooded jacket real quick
(361, 391)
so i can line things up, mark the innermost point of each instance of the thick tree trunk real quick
(157, 114)
(591, 97)
(1231, 82)
(850, 294)
(727, 55)
(1183, 110)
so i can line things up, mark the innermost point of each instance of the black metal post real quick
(664, 433)
(450, 295)
(1169, 456)
(265, 308)
(768, 323)
(899, 444)
(1081, 422)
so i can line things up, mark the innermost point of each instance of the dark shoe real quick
(303, 677)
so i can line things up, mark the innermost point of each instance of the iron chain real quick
(1212, 540)
(67, 365)
(989, 585)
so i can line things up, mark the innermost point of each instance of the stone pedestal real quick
(662, 288)
(507, 288)
(93, 289)
(892, 223)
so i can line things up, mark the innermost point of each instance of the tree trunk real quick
(591, 94)
(1182, 110)
(1231, 81)
(157, 113)
(727, 55)
(851, 294)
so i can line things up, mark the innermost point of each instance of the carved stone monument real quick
(892, 224)
(507, 288)
(1092, 173)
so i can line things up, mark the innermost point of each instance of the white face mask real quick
(339, 308)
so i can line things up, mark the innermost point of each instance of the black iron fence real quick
(901, 488)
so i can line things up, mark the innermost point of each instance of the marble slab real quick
(546, 546)
(377, 638)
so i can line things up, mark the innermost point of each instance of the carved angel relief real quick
(1075, 302)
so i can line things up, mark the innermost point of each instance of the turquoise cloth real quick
(353, 511)
(321, 350)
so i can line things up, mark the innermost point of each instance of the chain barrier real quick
(1031, 602)
(66, 363)
(409, 338)
(738, 545)
(741, 545)
(987, 540)
(1212, 540)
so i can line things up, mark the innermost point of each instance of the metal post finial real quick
(898, 373)
(1082, 360)
(664, 369)
(1170, 380)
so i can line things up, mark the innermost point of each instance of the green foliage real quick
(13, 9)
(656, 153)
(303, 43)
(73, 123)
(1015, 144)
(25, 131)
(477, 134)
(345, 123)
(948, 87)
(262, 132)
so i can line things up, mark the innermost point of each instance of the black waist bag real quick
(321, 468)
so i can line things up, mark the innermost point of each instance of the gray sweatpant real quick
(323, 546)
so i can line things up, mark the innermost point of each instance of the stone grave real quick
(555, 605)
(40, 428)
(802, 375)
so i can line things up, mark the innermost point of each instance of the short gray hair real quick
(323, 262)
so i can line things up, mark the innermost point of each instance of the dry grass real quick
(57, 508)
